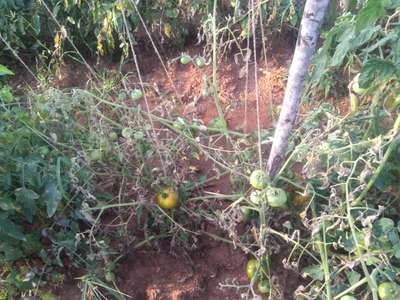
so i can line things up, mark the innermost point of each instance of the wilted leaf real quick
(353, 277)
(26, 199)
(314, 272)
(10, 229)
(5, 71)
(396, 249)
(376, 70)
(52, 197)
(372, 11)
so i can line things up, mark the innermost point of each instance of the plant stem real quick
(378, 171)
(214, 74)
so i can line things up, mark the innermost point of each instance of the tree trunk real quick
(311, 22)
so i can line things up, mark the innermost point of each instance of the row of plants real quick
(344, 224)
(52, 28)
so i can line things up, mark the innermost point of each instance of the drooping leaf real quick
(343, 47)
(353, 277)
(52, 197)
(8, 228)
(6, 203)
(371, 12)
(392, 36)
(5, 71)
(391, 4)
(364, 36)
(376, 69)
(314, 272)
(396, 249)
(26, 199)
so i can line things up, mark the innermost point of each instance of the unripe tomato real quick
(356, 87)
(354, 102)
(109, 276)
(396, 125)
(136, 94)
(127, 132)
(49, 296)
(251, 268)
(95, 154)
(257, 197)
(388, 291)
(263, 286)
(200, 61)
(276, 197)
(300, 200)
(249, 214)
(348, 297)
(185, 59)
(113, 136)
(167, 198)
(258, 179)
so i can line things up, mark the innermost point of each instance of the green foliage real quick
(98, 26)
(367, 40)
(44, 186)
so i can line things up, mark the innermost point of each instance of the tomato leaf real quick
(314, 272)
(10, 229)
(52, 197)
(372, 11)
(396, 249)
(26, 199)
(391, 4)
(353, 277)
(376, 70)
(5, 71)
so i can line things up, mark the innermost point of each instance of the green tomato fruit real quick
(396, 125)
(257, 197)
(109, 276)
(49, 296)
(43, 150)
(276, 197)
(388, 291)
(258, 179)
(356, 87)
(263, 286)
(200, 61)
(136, 94)
(348, 297)
(354, 102)
(249, 214)
(113, 136)
(251, 268)
(185, 59)
(127, 132)
(95, 154)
